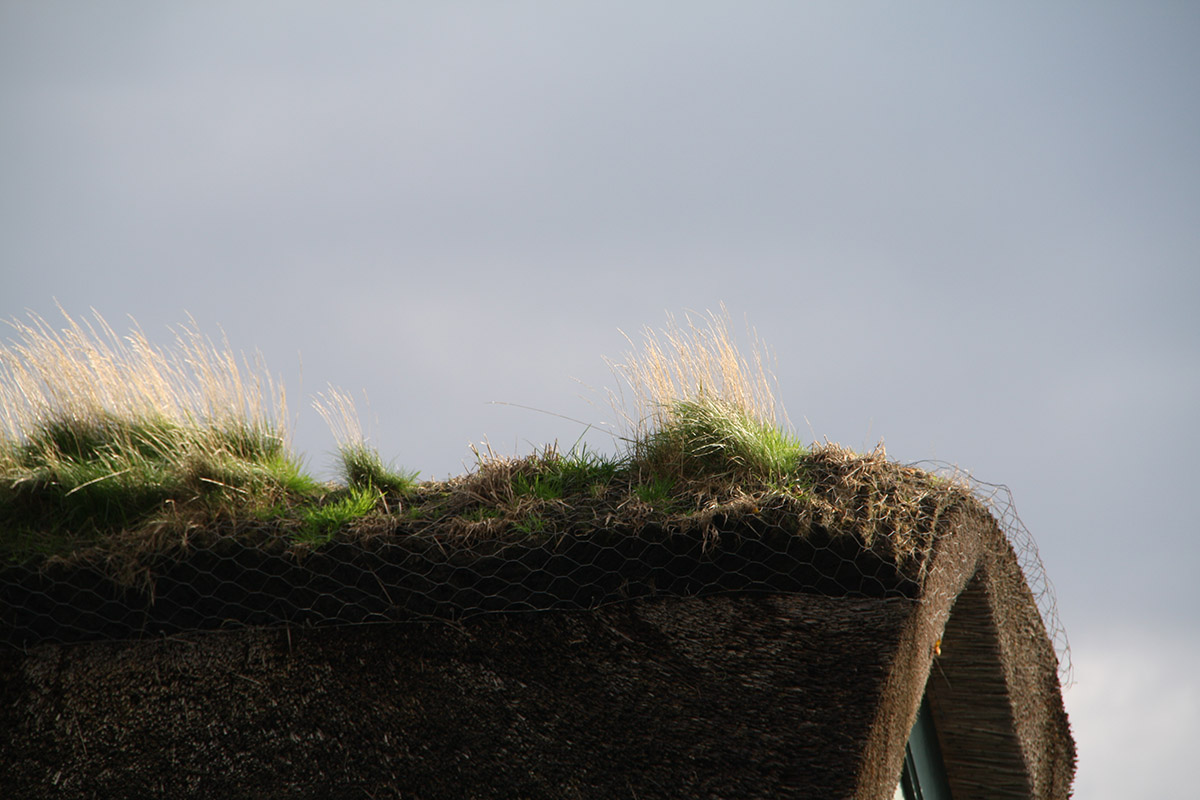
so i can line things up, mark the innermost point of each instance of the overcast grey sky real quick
(972, 230)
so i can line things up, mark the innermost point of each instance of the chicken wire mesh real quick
(843, 540)
(412, 578)
(998, 499)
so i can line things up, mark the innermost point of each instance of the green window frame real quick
(924, 774)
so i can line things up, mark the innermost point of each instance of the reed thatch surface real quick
(757, 690)
(715, 697)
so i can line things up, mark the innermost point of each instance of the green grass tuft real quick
(658, 492)
(539, 485)
(702, 411)
(707, 437)
(101, 436)
(584, 471)
(322, 522)
(363, 468)
(553, 475)
(361, 465)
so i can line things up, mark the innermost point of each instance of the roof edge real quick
(993, 688)
(961, 540)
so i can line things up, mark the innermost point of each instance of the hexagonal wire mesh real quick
(402, 576)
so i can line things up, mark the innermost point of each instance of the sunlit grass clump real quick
(101, 434)
(110, 442)
(702, 410)
(360, 464)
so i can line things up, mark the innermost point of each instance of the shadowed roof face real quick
(702, 697)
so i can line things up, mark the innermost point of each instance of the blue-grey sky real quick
(971, 230)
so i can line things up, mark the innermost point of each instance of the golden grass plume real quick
(85, 374)
(697, 359)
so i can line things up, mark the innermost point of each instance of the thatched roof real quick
(777, 652)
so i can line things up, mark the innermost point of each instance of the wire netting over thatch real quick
(860, 526)
(773, 642)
